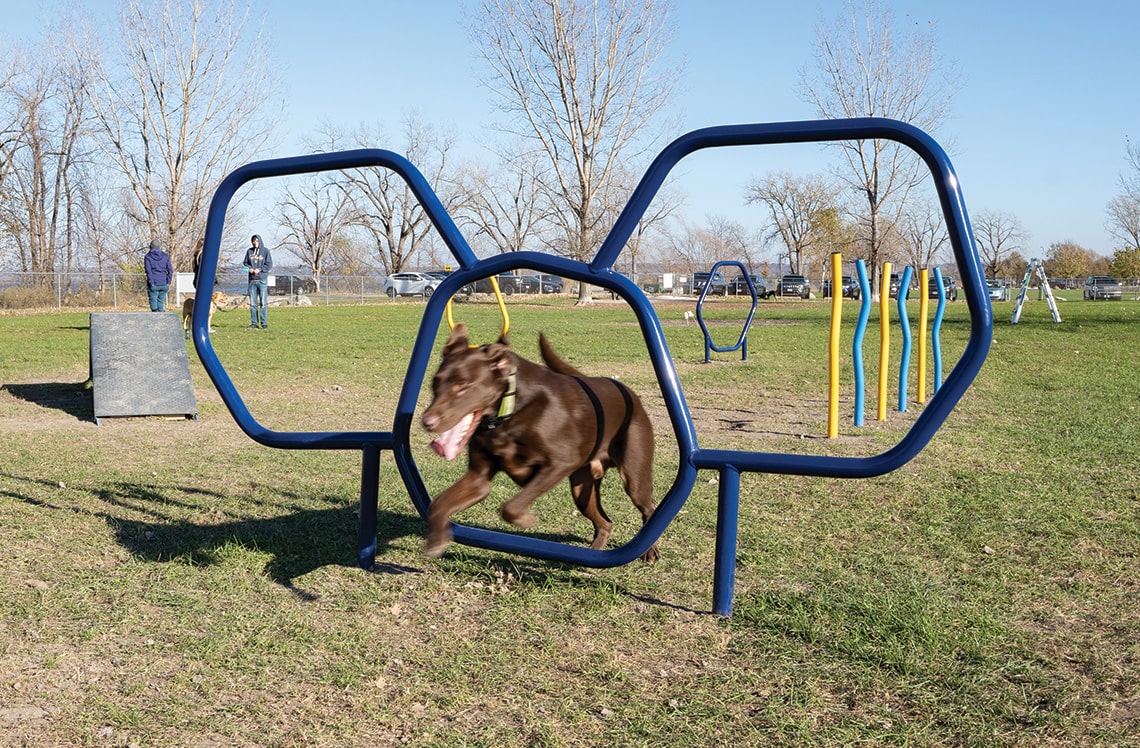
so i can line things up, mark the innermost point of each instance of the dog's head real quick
(468, 383)
(218, 298)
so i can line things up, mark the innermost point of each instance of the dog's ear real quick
(499, 355)
(457, 341)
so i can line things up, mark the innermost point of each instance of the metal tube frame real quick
(599, 271)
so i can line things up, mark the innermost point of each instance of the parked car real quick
(539, 283)
(282, 285)
(717, 284)
(949, 287)
(508, 284)
(997, 290)
(1103, 287)
(793, 285)
(896, 279)
(739, 286)
(410, 284)
(849, 287)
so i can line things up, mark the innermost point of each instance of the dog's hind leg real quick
(636, 470)
(586, 490)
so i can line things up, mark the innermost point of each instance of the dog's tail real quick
(552, 360)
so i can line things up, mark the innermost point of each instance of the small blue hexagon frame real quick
(741, 342)
(599, 272)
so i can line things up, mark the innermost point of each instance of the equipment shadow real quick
(74, 399)
(297, 543)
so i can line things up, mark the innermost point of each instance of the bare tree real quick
(700, 247)
(998, 235)
(664, 204)
(507, 205)
(1123, 220)
(581, 79)
(383, 203)
(795, 208)
(313, 213)
(866, 66)
(187, 97)
(40, 155)
(924, 230)
(104, 230)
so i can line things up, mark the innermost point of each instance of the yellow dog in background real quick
(216, 299)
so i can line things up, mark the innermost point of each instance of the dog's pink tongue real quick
(448, 444)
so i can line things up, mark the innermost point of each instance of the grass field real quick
(172, 583)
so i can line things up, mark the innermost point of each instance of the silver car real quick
(410, 284)
(997, 290)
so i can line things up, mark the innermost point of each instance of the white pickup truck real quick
(1102, 287)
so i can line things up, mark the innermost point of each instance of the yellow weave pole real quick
(502, 309)
(833, 349)
(923, 311)
(884, 337)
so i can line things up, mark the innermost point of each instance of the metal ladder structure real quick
(1036, 267)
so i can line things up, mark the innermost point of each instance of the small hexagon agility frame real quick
(741, 343)
(599, 272)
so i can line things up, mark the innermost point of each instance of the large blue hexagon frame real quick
(599, 272)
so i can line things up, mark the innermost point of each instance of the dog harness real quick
(600, 414)
(507, 408)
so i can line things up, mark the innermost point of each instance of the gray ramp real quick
(139, 365)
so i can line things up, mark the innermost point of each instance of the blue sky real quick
(1047, 90)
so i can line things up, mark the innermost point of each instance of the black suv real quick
(508, 284)
(739, 286)
(793, 285)
(538, 283)
(949, 287)
(848, 288)
(717, 285)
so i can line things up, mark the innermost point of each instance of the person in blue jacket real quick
(159, 272)
(257, 264)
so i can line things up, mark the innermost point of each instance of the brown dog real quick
(188, 309)
(539, 425)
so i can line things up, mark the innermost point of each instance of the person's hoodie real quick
(258, 257)
(156, 263)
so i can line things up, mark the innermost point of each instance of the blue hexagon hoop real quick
(599, 272)
(741, 343)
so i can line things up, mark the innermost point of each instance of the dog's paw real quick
(435, 548)
(522, 520)
(652, 555)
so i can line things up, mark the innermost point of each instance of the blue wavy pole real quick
(936, 329)
(860, 330)
(904, 323)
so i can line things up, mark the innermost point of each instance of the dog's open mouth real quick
(451, 442)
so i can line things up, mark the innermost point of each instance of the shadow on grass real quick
(194, 526)
(150, 522)
(73, 399)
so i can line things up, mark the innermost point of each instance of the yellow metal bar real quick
(502, 309)
(833, 349)
(923, 312)
(884, 337)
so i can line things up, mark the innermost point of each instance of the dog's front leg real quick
(517, 509)
(469, 490)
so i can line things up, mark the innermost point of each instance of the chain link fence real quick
(127, 291)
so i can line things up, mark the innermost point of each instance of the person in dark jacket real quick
(258, 263)
(159, 272)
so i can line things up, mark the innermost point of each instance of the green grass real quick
(173, 583)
